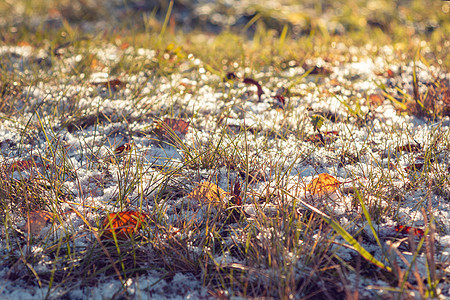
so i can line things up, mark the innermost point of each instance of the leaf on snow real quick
(323, 184)
(111, 84)
(208, 193)
(256, 83)
(124, 148)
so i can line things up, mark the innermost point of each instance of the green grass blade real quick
(342, 232)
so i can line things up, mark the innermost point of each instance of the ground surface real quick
(214, 158)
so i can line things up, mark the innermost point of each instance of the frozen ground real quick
(77, 151)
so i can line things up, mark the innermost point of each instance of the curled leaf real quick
(376, 99)
(124, 148)
(389, 73)
(236, 194)
(255, 83)
(280, 100)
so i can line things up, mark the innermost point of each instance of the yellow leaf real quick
(209, 193)
(324, 184)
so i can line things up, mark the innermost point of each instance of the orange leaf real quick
(376, 99)
(37, 220)
(390, 73)
(408, 229)
(207, 192)
(123, 224)
(325, 183)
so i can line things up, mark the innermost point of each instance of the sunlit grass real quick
(280, 243)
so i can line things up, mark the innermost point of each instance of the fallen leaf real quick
(22, 165)
(317, 70)
(124, 224)
(179, 126)
(208, 193)
(279, 96)
(59, 49)
(389, 73)
(111, 84)
(409, 148)
(408, 229)
(323, 137)
(36, 221)
(236, 198)
(124, 148)
(280, 100)
(376, 99)
(415, 166)
(323, 184)
(23, 44)
(256, 83)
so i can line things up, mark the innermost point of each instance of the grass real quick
(282, 242)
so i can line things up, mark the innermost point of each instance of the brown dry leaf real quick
(124, 148)
(255, 83)
(37, 220)
(124, 224)
(323, 184)
(236, 194)
(208, 193)
(112, 84)
(323, 138)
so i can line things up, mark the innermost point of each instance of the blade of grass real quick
(342, 232)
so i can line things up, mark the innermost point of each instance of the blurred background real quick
(397, 19)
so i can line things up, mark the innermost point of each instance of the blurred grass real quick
(312, 27)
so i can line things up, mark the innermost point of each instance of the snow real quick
(97, 187)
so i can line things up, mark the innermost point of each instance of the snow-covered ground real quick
(363, 148)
